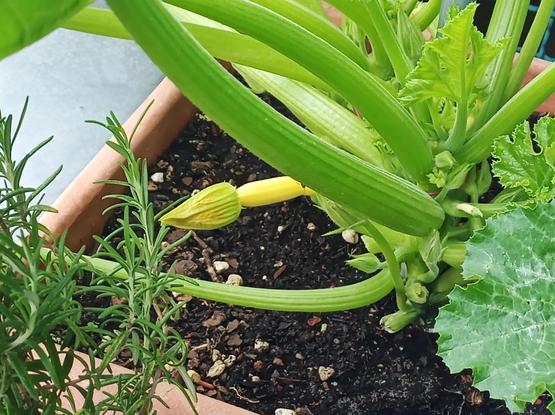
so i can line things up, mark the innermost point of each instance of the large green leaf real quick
(452, 63)
(518, 165)
(23, 22)
(503, 327)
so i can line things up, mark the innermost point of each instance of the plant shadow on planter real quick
(278, 360)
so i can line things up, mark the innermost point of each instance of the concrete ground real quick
(71, 77)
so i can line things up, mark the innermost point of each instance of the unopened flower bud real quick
(416, 292)
(211, 208)
(268, 191)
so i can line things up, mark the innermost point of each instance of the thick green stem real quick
(291, 149)
(397, 56)
(517, 109)
(318, 25)
(317, 300)
(403, 134)
(399, 60)
(507, 21)
(458, 135)
(392, 264)
(453, 253)
(222, 43)
(426, 16)
(354, 11)
(530, 47)
(321, 114)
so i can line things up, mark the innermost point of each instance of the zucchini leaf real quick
(452, 63)
(503, 326)
(518, 165)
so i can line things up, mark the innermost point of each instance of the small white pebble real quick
(193, 374)
(324, 328)
(280, 228)
(350, 236)
(157, 177)
(217, 369)
(220, 266)
(229, 360)
(278, 264)
(299, 356)
(262, 248)
(311, 227)
(325, 372)
(261, 345)
(264, 278)
(255, 379)
(234, 279)
(216, 355)
(283, 411)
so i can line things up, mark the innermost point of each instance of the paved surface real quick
(71, 77)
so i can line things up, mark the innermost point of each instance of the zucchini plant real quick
(401, 141)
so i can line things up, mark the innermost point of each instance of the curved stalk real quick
(405, 137)
(530, 47)
(426, 16)
(517, 109)
(376, 194)
(221, 43)
(354, 11)
(397, 57)
(453, 253)
(507, 21)
(321, 114)
(392, 264)
(317, 300)
(318, 25)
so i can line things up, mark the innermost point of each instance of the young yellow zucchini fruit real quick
(220, 204)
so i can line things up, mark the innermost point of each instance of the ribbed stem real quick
(530, 47)
(317, 300)
(426, 16)
(378, 195)
(507, 21)
(403, 134)
(318, 25)
(517, 109)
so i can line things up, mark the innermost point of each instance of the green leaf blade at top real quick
(503, 327)
(451, 64)
(26, 21)
(518, 165)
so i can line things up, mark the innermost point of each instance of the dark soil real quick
(280, 247)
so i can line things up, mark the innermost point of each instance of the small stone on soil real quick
(311, 227)
(255, 379)
(234, 340)
(260, 345)
(215, 320)
(325, 372)
(234, 279)
(350, 236)
(217, 369)
(220, 266)
(229, 360)
(283, 411)
(157, 177)
(193, 374)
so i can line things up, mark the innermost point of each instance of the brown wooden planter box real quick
(80, 207)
